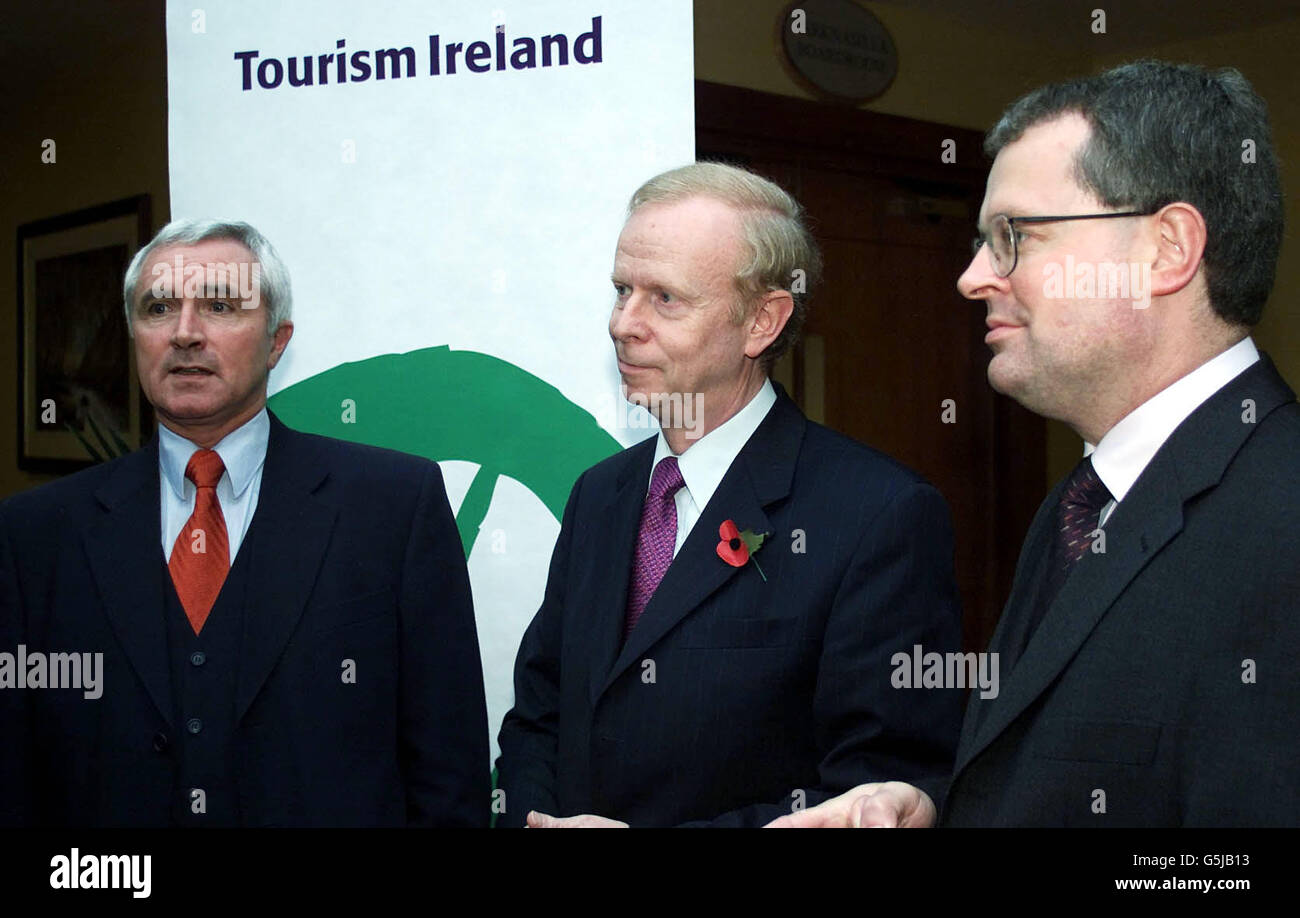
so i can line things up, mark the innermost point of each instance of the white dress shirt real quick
(243, 451)
(1129, 446)
(706, 461)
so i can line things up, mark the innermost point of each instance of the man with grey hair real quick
(1151, 632)
(725, 598)
(284, 620)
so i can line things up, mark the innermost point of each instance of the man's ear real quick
(278, 343)
(1180, 246)
(768, 321)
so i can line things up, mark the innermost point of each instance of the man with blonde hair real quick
(724, 598)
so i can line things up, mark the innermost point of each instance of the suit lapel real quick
(1191, 461)
(1008, 637)
(760, 475)
(289, 533)
(1149, 518)
(124, 548)
(610, 561)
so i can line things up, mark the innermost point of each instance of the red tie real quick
(201, 556)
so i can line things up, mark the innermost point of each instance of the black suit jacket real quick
(359, 559)
(1162, 686)
(736, 699)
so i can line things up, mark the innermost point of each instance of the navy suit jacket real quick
(737, 699)
(1161, 687)
(356, 556)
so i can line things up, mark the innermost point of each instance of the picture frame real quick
(79, 399)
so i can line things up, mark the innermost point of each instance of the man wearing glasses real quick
(1149, 643)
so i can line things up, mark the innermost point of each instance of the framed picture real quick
(79, 400)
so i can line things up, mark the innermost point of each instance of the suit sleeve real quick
(443, 717)
(1237, 763)
(897, 592)
(530, 732)
(15, 733)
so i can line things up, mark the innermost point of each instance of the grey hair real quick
(1162, 133)
(777, 241)
(273, 277)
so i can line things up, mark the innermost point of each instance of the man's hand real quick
(887, 805)
(538, 820)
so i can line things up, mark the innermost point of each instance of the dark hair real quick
(1177, 132)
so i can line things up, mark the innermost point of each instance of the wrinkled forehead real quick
(1035, 174)
(694, 233)
(221, 262)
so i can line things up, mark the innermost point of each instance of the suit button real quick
(194, 725)
(198, 658)
(160, 742)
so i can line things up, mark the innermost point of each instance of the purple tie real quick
(654, 544)
(1078, 516)
(1079, 512)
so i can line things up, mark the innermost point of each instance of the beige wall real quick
(945, 74)
(98, 88)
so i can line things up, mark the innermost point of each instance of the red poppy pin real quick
(736, 547)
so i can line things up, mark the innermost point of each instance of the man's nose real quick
(188, 330)
(626, 320)
(979, 280)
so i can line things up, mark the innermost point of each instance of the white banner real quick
(446, 182)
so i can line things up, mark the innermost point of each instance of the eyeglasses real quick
(1004, 253)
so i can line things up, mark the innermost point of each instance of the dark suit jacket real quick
(359, 559)
(1136, 683)
(735, 698)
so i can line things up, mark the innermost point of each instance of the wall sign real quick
(837, 49)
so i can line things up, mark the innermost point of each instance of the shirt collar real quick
(705, 463)
(243, 451)
(1129, 446)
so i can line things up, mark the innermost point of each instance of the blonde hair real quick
(778, 245)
